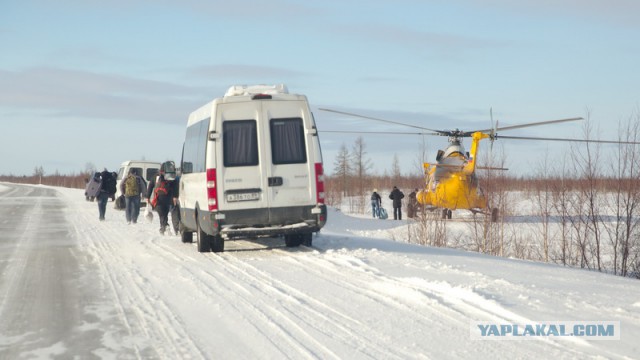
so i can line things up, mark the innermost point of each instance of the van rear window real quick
(151, 173)
(287, 141)
(240, 143)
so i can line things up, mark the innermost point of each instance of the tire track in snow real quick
(136, 310)
(311, 312)
(236, 291)
(457, 304)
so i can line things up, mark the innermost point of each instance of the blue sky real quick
(102, 82)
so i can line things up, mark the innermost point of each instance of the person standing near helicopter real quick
(376, 201)
(397, 195)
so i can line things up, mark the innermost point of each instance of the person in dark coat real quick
(396, 195)
(161, 192)
(413, 204)
(376, 201)
(105, 193)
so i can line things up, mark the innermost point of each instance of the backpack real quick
(131, 186)
(383, 213)
(109, 183)
(160, 189)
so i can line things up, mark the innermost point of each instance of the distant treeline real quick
(336, 186)
(77, 181)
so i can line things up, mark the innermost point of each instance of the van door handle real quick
(275, 181)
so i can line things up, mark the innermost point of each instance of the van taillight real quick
(212, 191)
(319, 183)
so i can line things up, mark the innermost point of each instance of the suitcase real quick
(383, 213)
(93, 187)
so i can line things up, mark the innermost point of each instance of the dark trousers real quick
(163, 215)
(103, 198)
(397, 213)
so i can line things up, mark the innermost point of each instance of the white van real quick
(147, 169)
(252, 166)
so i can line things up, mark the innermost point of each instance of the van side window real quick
(240, 143)
(195, 147)
(287, 141)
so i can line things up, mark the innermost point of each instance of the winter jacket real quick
(375, 198)
(163, 199)
(396, 195)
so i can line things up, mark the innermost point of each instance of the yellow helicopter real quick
(451, 182)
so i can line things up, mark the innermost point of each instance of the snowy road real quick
(74, 286)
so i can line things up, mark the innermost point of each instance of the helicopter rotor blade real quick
(379, 132)
(440, 132)
(490, 168)
(570, 140)
(538, 123)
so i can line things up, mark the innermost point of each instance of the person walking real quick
(132, 187)
(376, 201)
(396, 195)
(107, 190)
(160, 197)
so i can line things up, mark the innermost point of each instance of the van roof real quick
(129, 162)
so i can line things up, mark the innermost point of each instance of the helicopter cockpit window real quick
(456, 154)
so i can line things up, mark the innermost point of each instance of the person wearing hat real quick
(376, 201)
(396, 195)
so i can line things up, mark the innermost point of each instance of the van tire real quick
(217, 243)
(307, 239)
(204, 240)
(295, 240)
(186, 236)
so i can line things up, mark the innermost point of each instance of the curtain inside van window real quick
(240, 143)
(287, 141)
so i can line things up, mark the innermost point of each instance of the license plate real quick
(243, 197)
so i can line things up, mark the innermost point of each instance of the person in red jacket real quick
(160, 195)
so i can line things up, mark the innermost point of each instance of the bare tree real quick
(561, 198)
(543, 201)
(626, 197)
(396, 173)
(342, 170)
(361, 167)
(39, 173)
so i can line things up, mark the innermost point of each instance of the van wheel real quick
(186, 236)
(307, 239)
(217, 243)
(293, 240)
(298, 239)
(204, 240)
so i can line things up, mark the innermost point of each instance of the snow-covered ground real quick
(349, 297)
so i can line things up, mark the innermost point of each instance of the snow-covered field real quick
(348, 297)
